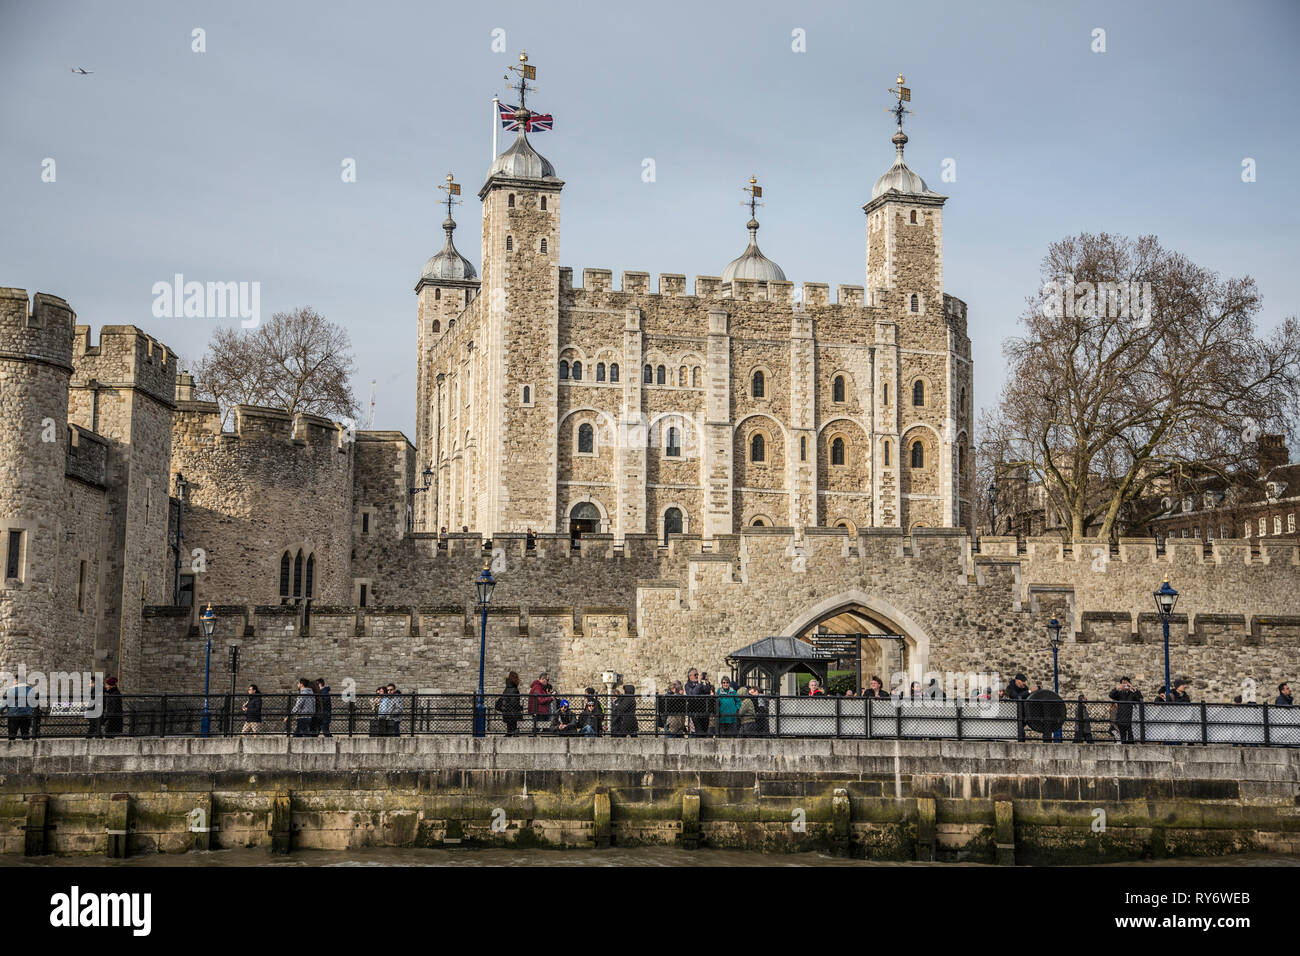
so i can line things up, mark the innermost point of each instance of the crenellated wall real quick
(649, 613)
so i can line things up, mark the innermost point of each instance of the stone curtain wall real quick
(649, 614)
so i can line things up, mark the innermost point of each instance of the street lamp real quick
(1054, 642)
(993, 508)
(1166, 598)
(181, 487)
(209, 622)
(484, 583)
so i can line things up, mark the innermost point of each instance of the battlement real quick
(126, 357)
(673, 285)
(87, 456)
(197, 425)
(39, 330)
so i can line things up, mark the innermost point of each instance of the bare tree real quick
(298, 362)
(1137, 369)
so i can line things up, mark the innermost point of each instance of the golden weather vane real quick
(755, 193)
(904, 96)
(453, 189)
(526, 73)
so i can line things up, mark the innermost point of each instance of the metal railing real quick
(665, 715)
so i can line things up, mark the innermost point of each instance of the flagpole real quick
(496, 121)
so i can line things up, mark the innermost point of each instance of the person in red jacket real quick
(540, 698)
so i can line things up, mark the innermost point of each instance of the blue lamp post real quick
(209, 622)
(1166, 598)
(1054, 641)
(484, 583)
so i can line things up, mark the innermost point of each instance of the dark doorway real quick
(583, 519)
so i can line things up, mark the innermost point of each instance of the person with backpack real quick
(540, 698)
(508, 706)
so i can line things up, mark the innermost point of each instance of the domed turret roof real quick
(520, 160)
(448, 263)
(752, 264)
(898, 177)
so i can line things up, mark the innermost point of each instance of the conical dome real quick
(752, 264)
(448, 263)
(520, 160)
(898, 177)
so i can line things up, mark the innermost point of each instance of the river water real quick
(614, 856)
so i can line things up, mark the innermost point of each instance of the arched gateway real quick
(855, 612)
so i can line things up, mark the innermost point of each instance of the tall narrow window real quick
(613, 372)
(510, 244)
(681, 376)
(13, 554)
(309, 586)
(543, 202)
(661, 375)
(365, 522)
(913, 217)
(81, 587)
(510, 200)
(437, 293)
(837, 389)
(564, 370)
(803, 448)
(674, 443)
(961, 410)
(543, 246)
(886, 400)
(758, 386)
(672, 522)
(600, 371)
(297, 576)
(695, 377)
(285, 593)
(916, 302)
(961, 459)
(648, 375)
(886, 454)
(586, 439)
(577, 371)
(837, 451)
(757, 449)
(918, 455)
(186, 596)
(918, 393)
(528, 394)
(364, 595)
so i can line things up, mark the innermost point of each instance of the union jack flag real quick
(541, 122)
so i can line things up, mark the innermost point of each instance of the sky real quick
(226, 164)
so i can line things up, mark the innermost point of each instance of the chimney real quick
(1272, 452)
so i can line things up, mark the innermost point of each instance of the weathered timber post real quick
(1004, 833)
(841, 815)
(281, 817)
(600, 815)
(117, 825)
(37, 809)
(926, 829)
(691, 819)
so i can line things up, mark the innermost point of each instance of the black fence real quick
(411, 714)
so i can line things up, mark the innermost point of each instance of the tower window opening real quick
(510, 200)
(586, 439)
(915, 301)
(647, 375)
(577, 371)
(918, 394)
(674, 449)
(661, 375)
(886, 454)
(837, 389)
(918, 455)
(543, 245)
(543, 207)
(837, 451)
(564, 370)
(510, 244)
(600, 371)
(613, 372)
(757, 449)
(758, 386)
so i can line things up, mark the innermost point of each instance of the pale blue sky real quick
(225, 165)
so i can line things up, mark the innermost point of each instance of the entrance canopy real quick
(766, 661)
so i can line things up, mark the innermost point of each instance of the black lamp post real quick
(484, 583)
(427, 475)
(209, 622)
(1166, 598)
(993, 508)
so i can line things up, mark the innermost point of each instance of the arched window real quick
(915, 303)
(918, 393)
(437, 293)
(681, 376)
(962, 409)
(613, 372)
(759, 523)
(510, 200)
(837, 389)
(913, 218)
(600, 371)
(564, 370)
(648, 375)
(918, 455)
(297, 577)
(803, 448)
(837, 451)
(661, 375)
(577, 371)
(757, 449)
(510, 244)
(586, 439)
(674, 443)
(961, 459)
(437, 326)
(886, 453)
(543, 245)
(757, 386)
(672, 522)
(886, 401)
(543, 202)
(695, 377)
(528, 394)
